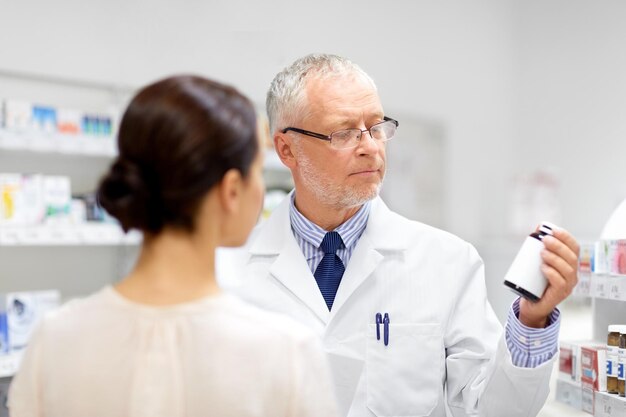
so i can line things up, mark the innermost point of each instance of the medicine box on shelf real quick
(602, 270)
(569, 392)
(582, 372)
(20, 312)
(609, 405)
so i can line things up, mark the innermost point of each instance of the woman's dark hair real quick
(177, 139)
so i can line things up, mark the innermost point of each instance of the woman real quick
(165, 341)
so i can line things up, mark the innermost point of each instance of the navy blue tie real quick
(329, 272)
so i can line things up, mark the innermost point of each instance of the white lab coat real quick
(445, 343)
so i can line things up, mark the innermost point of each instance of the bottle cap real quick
(547, 227)
(614, 328)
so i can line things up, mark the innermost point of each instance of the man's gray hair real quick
(286, 98)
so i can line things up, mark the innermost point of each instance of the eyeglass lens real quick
(382, 132)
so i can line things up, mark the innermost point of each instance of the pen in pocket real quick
(386, 328)
(385, 322)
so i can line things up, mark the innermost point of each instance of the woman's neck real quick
(173, 267)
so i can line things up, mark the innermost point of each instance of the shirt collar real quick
(350, 231)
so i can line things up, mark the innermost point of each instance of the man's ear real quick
(230, 190)
(284, 148)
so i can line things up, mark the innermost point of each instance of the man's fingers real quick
(560, 248)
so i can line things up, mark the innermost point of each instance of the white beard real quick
(334, 195)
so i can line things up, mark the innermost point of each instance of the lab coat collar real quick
(275, 238)
(385, 230)
(384, 233)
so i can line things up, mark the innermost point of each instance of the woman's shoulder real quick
(234, 319)
(83, 309)
(271, 324)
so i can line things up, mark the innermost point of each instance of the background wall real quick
(570, 107)
(443, 61)
(516, 85)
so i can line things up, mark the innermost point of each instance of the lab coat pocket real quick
(404, 377)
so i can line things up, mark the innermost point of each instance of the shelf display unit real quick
(89, 233)
(602, 278)
(41, 252)
(57, 143)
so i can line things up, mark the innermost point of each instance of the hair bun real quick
(125, 195)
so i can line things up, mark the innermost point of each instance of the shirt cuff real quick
(531, 347)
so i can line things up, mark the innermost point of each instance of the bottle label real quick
(611, 364)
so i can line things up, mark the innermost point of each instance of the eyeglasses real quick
(350, 138)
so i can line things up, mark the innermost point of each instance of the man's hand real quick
(560, 267)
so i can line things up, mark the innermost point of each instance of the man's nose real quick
(367, 144)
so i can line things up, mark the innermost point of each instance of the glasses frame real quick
(328, 138)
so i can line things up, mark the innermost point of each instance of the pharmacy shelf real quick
(571, 399)
(9, 363)
(602, 403)
(569, 393)
(81, 145)
(557, 409)
(607, 287)
(58, 143)
(609, 405)
(92, 234)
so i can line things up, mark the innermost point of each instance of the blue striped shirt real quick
(529, 347)
(309, 235)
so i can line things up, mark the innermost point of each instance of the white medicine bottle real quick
(524, 276)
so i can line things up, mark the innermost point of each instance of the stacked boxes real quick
(25, 117)
(35, 127)
(593, 374)
(582, 372)
(34, 199)
(610, 257)
(30, 200)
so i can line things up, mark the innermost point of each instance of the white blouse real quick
(107, 356)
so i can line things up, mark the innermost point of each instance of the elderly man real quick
(400, 306)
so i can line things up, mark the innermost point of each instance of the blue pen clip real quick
(379, 321)
(386, 328)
